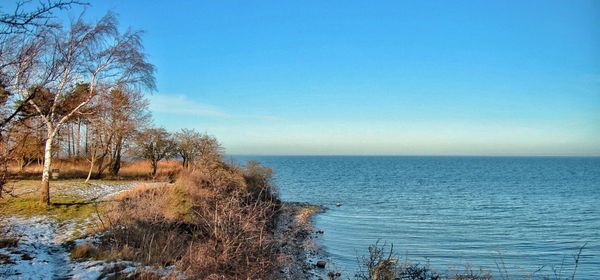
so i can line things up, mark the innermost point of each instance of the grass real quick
(84, 251)
(77, 169)
(61, 209)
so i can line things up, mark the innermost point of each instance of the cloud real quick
(182, 105)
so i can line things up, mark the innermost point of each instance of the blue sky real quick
(376, 77)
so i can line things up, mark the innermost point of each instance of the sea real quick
(510, 216)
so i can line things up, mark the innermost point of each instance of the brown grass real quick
(214, 223)
(71, 169)
(84, 251)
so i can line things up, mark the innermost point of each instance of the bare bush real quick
(215, 222)
(382, 263)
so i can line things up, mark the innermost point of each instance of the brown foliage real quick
(84, 251)
(214, 223)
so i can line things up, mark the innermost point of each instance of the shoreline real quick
(296, 244)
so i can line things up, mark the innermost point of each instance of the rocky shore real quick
(296, 245)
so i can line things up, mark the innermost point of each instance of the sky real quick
(375, 77)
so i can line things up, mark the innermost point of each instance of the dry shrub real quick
(382, 263)
(215, 222)
(84, 251)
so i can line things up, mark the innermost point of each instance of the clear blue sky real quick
(376, 77)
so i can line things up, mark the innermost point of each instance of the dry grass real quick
(137, 170)
(84, 251)
(215, 222)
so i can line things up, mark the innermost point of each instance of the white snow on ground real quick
(96, 191)
(40, 254)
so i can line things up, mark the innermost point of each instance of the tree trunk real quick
(72, 129)
(78, 138)
(68, 142)
(116, 160)
(45, 187)
(86, 139)
(91, 166)
(154, 167)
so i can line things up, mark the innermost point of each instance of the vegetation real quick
(72, 97)
(215, 222)
(382, 263)
(62, 208)
(155, 144)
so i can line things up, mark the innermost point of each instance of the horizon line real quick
(409, 155)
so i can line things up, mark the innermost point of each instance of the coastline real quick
(296, 244)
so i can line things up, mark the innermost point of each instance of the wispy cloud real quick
(182, 105)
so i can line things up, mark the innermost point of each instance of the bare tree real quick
(194, 147)
(22, 20)
(116, 117)
(155, 144)
(188, 145)
(74, 66)
(128, 114)
(20, 25)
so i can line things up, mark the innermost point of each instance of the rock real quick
(332, 275)
(321, 264)
(320, 231)
(26, 257)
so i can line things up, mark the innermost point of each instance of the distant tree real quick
(188, 145)
(193, 146)
(128, 115)
(26, 142)
(118, 116)
(66, 69)
(155, 144)
(210, 150)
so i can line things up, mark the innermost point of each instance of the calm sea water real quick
(525, 212)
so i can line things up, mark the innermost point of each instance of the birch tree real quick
(17, 26)
(94, 57)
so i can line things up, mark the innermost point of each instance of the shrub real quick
(84, 251)
(215, 222)
(384, 264)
